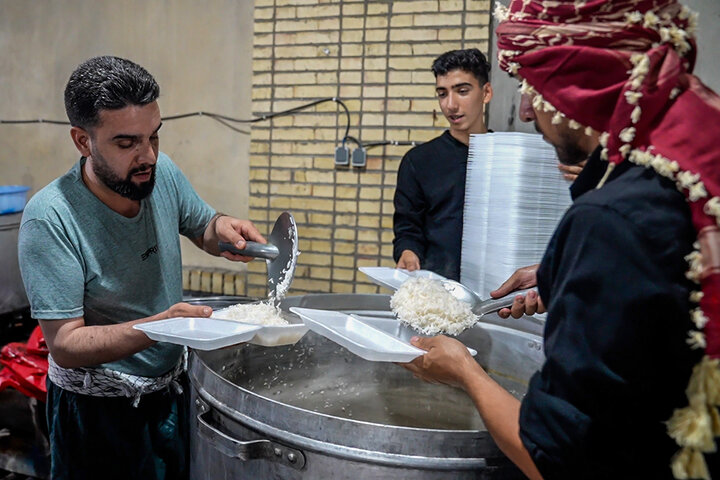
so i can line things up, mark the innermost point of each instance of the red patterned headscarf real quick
(624, 68)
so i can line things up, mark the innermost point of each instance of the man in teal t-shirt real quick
(99, 252)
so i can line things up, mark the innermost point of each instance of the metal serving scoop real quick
(280, 252)
(479, 306)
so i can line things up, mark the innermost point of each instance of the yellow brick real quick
(346, 192)
(409, 91)
(410, 119)
(321, 218)
(373, 63)
(374, 8)
(368, 207)
(261, 66)
(371, 178)
(401, 21)
(475, 33)
(350, 77)
(339, 287)
(344, 248)
(317, 176)
(370, 193)
(262, 52)
(206, 281)
(400, 77)
(401, 49)
(290, 189)
(344, 234)
(257, 292)
(323, 191)
(349, 23)
(318, 286)
(316, 38)
(366, 262)
(277, 148)
(321, 246)
(343, 274)
(449, 34)
(376, 22)
(414, 34)
(373, 105)
(477, 4)
(257, 202)
(315, 64)
(361, 288)
(256, 187)
(284, 65)
(346, 206)
(387, 222)
(296, 25)
(257, 215)
(320, 272)
(353, 9)
(257, 147)
(387, 252)
(344, 261)
(369, 119)
(263, 27)
(297, 78)
(367, 249)
(280, 175)
(367, 236)
(437, 19)
(374, 77)
(349, 91)
(386, 237)
(351, 63)
(216, 282)
(416, 6)
(424, 105)
(388, 193)
(285, 12)
(329, 24)
(263, 13)
(327, 78)
(452, 5)
(319, 11)
(351, 49)
(346, 220)
(410, 63)
(375, 35)
(240, 285)
(346, 177)
(262, 79)
(321, 233)
(314, 259)
(477, 19)
(374, 91)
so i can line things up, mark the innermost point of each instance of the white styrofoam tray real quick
(271, 335)
(392, 278)
(198, 333)
(378, 339)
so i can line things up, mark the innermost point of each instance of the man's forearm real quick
(76, 345)
(500, 412)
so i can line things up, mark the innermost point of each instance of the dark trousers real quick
(108, 438)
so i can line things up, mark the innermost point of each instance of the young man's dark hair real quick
(106, 83)
(470, 60)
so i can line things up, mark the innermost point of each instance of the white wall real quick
(199, 52)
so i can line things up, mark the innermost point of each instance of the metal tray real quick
(199, 333)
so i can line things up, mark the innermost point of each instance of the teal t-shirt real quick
(80, 258)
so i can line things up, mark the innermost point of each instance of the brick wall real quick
(375, 56)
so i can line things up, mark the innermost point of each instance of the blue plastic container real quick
(12, 198)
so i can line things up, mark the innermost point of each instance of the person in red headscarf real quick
(631, 277)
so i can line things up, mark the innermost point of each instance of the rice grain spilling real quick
(426, 306)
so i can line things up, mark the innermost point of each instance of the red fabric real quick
(25, 366)
(578, 57)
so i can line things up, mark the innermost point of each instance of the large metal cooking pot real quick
(315, 411)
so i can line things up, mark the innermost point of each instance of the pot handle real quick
(250, 450)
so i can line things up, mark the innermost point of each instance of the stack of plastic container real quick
(514, 198)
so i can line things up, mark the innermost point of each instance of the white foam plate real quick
(198, 333)
(392, 278)
(378, 339)
(270, 335)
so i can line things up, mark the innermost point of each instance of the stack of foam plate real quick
(514, 198)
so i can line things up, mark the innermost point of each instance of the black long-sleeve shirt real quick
(617, 361)
(429, 202)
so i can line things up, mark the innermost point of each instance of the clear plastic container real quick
(12, 198)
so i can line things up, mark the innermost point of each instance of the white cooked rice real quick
(426, 306)
(263, 313)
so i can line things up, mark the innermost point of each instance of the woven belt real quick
(104, 382)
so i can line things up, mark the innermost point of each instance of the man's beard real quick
(568, 151)
(124, 187)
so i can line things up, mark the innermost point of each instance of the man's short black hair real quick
(106, 83)
(470, 60)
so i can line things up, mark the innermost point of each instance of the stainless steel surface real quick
(347, 417)
(281, 254)
(12, 291)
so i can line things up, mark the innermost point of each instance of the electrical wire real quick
(226, 120)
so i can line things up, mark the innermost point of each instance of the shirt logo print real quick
(149, 252)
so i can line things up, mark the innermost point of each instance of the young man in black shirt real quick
(430, 192)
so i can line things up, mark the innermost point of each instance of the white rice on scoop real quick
(426, 306)
(262, 313)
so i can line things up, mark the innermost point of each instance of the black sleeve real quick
(616, 358)
(409, 213)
